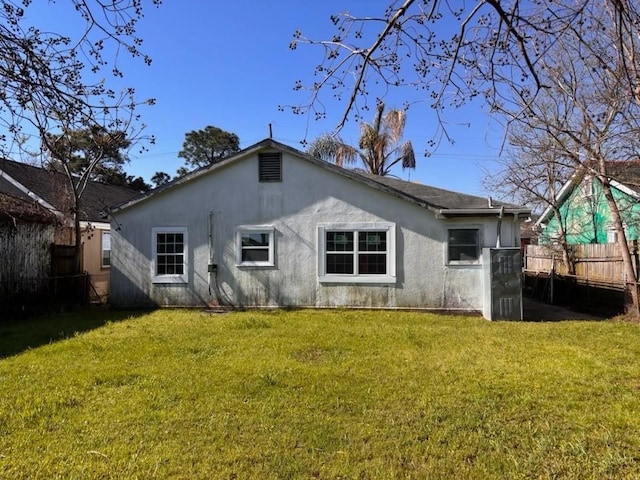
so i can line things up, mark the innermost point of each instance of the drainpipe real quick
(212, 267)
(498, 239)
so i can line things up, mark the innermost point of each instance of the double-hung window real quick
(106, 249)
(356, 253)
(463, 246)
(255, 246)
(169, 260)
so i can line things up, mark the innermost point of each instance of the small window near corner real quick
(255, 246)
(463, 245)
(270, 167)
(106, 249)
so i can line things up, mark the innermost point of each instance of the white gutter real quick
(461, 212)
(499, 233)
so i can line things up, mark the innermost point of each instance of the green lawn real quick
(317, 394)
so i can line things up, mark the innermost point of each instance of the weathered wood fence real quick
(595, 262)
(599, 283)
(34, 272)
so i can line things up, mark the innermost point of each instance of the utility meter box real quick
(502, 283)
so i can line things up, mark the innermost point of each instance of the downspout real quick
(499, 235)
(212, 267)
(220, 298)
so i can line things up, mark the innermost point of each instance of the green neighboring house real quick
(584, 211)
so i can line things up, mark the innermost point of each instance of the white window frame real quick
(588, 187)
(388, 278)
(174, 278)
(613, 233)
(262, 229)
(102, 249)
(475, 261)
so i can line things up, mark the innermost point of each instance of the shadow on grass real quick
(538, 311)
(18, 335)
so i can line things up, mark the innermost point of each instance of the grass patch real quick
(320, 394)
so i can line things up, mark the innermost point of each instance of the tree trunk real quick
(631, 286)
(566, 253)
(77, 232)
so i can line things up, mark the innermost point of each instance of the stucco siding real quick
(218, 203)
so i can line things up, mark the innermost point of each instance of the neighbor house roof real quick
(442, 202)
(51, 190)
(14, 208)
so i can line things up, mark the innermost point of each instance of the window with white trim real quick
(356, 253)
(463, 245)
(106, 249)
(169, 262)
(613, 233)
(255, 246)
(588, 187)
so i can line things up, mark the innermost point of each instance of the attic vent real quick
(270, 167)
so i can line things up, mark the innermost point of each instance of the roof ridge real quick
(441, 201)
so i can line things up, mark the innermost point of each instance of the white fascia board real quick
(564, 192)
(98, 225)
(625, 189)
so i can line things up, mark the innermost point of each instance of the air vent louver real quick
(270, 167)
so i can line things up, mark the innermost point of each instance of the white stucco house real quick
(273, 226)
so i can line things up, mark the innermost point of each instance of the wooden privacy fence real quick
(35, 273)
(599, 284)
(593, 262)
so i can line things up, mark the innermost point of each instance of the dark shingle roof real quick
(442, 202)
(53, 188)
(627, 173)
(437, 197)
(14, 209)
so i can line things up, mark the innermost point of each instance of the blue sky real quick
(228, 64)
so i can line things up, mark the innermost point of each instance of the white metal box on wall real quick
(502, 279)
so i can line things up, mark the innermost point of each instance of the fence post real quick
(552, 274)
(635, 259)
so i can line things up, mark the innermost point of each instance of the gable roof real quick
(444, 203)
(623, 175)
(51, 190)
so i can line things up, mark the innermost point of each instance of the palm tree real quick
(379, 146)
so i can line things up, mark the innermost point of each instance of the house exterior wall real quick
(587, 218)
(92, 259)
(309, 195)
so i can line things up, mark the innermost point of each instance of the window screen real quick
(464, 244)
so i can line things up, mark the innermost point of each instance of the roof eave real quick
(625, 189)
(29, 193)
(564, 192)
(483, 212)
